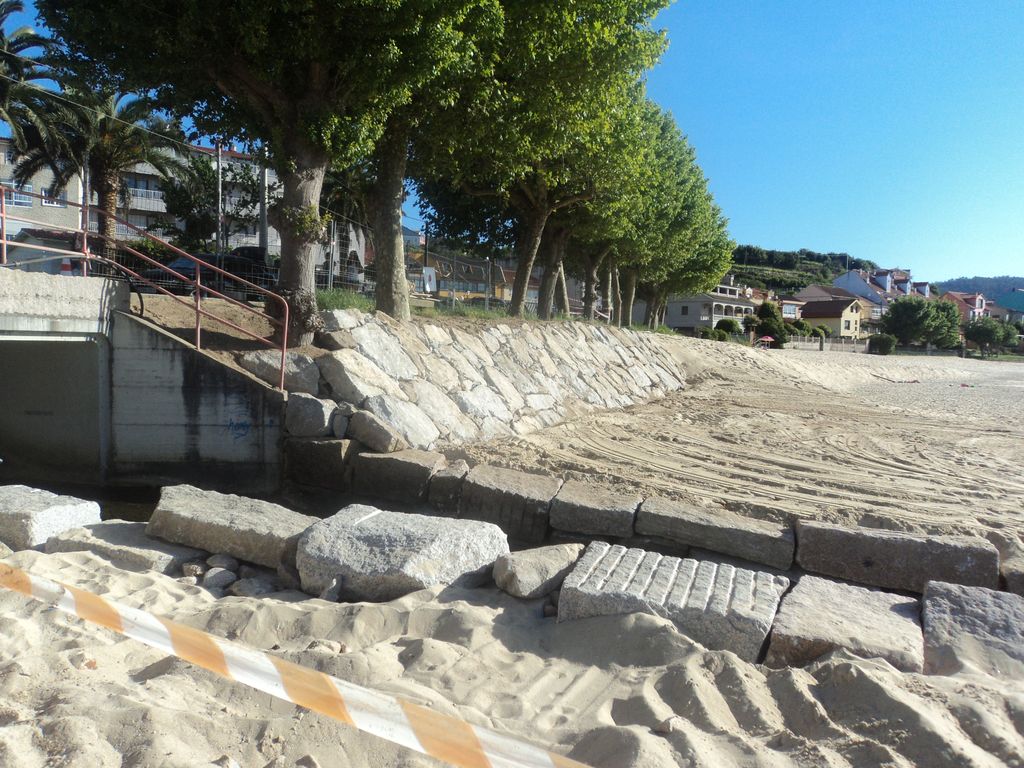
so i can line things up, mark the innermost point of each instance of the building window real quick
(9, 156)
(846, 325)
(684, 310)
(788, 310)
(17, 196)
(60, 200)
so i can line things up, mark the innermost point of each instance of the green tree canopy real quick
(910, 319)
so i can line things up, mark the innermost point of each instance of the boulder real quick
(219, 578)
(301, 373)
(517, 502)
(758, 541)
(223, 560)
(582, 508)
(352, 378)
(342, 319)
(443, 412)
(335, 340)
(400, 476)
(308, 416)
(893, 559)
(374, 433)
(407, 418)
(820, 615)
(126, 545)
(249, 529)
(446, 488)
(532, 573)
(385, 350)
(482, 402)
(721, 607)
(339, 424)
(30, 516)
(252, 587)
(320, 461)
(972, 629)
(376, 555)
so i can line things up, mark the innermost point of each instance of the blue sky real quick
(892, 130)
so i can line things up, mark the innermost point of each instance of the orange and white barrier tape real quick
(413, 726)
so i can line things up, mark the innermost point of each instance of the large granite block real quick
(895, 560)
(446, 488)
(401, 476)
(370, 554)
(582, 508)
(721, 607)
(320, 462)
(249, 529)
(819, 615)
(972, 629)
(30, 516)
(126, 545)
(532, 573)
(756, 540)
(374, 433)
(517, 502)
(308, 416)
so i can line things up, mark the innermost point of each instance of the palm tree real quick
(19, 101)
(103, 134)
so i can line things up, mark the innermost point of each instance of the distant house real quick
(790, 307)
(870, 314)
(1012, 304)
(841, 316)
(970, 305)
(687, 313)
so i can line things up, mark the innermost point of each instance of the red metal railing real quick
(196, 287)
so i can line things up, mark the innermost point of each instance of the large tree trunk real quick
(531, 229)
(297, 218)
(617, 294)
(628, 297)
(392, 290)
(563, 292)
(553, 251)
(107, 193)
(593, 268)
(607, 304)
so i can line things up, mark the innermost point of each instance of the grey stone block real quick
(755, 540)
(407, 418)
(721, 607)
(819, 615)
(308, 416)
(320, 462)
(400, 476)
(352, 378)
(30, 516)
(371, 554)
(126, 545)
(895, 560)
(517, 502)
(335, 340)
(532, 573)
(374, 433)
(446, 488)
(581, 507)
(301, 373)
(249, 529)
(342, 319)
(972, 629)
(219, 578)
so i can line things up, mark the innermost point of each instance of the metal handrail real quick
(87, 257)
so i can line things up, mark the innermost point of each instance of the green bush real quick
(791, 329)
(825, 331)
(769, 323)
(729, 325)
(881, 344)
(720, 335)
(804, 327)
(817, 333)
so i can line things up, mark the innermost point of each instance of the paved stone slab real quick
(532, 573)
(756, 540)
(301, 373)
(516, 502)
(308, 416)
(249, 529)
(371, 554)
(583, 508)
(972, 629)
(721, 607)
(401, 476)
(819, 615)
(895, 560)
(374, 433)
(407, 418)
(446, 488)
(30, 516)
(126, 545)
(320, 462)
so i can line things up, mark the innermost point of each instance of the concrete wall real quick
(179, 415)
(33, 303)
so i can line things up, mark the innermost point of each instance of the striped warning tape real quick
(421, 729)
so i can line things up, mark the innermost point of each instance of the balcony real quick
(147, 200)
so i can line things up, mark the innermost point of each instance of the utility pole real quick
(264, 229)
(220, 205)
(487, 295)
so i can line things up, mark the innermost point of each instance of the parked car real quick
(255, 272)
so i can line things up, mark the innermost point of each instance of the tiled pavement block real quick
(517, 502)
(721, 607)
(895, 560)
(400, 476)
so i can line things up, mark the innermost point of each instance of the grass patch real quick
(342, 299)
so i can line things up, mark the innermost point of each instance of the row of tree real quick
(915, 320)
(521, 121)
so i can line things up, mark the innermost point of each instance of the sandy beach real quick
(896, 443)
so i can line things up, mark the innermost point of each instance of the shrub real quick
(792, 330)
(804, 327)
(720, 335)
(881, 344)
(769, 323)
(703, 332)
(825, 331)
(729, 325)
(817, 333)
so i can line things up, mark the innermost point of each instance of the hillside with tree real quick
(790, 271)
(989, 286)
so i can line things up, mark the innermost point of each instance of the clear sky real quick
(889, 129)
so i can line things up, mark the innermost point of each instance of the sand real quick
(770, 434)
